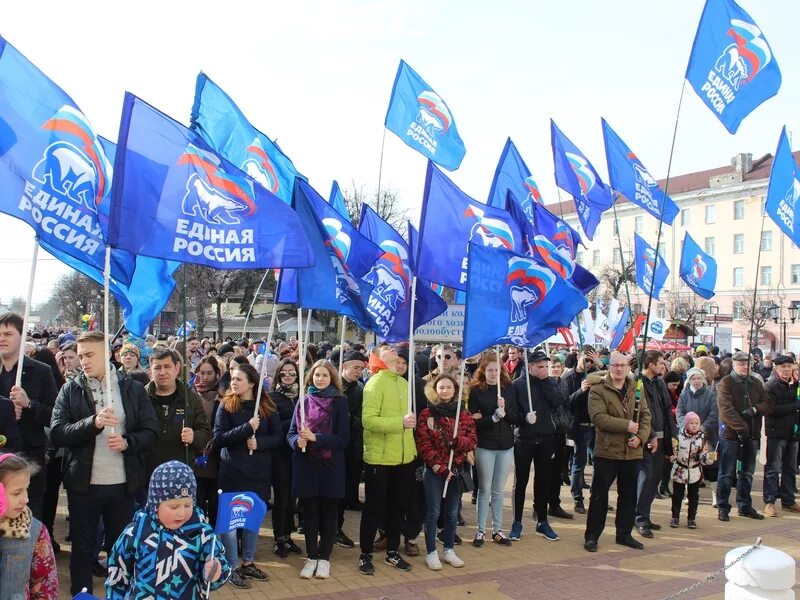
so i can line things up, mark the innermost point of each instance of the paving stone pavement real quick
(531, 568)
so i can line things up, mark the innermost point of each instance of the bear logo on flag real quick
(741, 61)
(493, 233)
(528, 285)
(258, 166)
(433, 114)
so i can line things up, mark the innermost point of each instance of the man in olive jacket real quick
(742, 402)
(389, 452)
(621, 434)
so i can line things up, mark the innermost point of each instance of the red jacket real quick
(431, 442)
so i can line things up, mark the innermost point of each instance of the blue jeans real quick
(434, 488)
(583, 443)
(729, 453)
(249, 541)
(781, 462)
(493, 466)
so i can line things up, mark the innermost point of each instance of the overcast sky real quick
(317, 76)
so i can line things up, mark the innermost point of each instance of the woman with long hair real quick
(318, 473)
(238, 430)
(495, 452)
(206, 383)
(435, 440)
(284, 393)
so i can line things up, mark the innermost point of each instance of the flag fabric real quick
(731, 66)
(629, 177)
(645, 263)
(186, 328)
(217, 119)
(619, 330)
(330, 284)
(54, 171)
(628, 340)
(240, 510)
(511, 299)
(552, 242)
(513, 174)
(450, 220)
(576, 175)
(174, 198)
(419, 117)
(698, 269)
(657, 328)
(286, 286)
(337, 201)
(390, 277)
(784, 190)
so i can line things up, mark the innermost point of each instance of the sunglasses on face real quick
(446, 356)
(288, 374)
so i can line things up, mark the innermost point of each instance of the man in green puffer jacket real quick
(389, 452)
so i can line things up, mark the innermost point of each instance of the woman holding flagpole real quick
(238, 430)
(494, 419)
(318, 439)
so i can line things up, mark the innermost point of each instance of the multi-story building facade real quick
(722, 209)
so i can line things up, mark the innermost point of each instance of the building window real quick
(738, 243)
(766, 275)
(684, 217)
(595, 258)
(738, 210)
(709, 246)
(579, 258)
(766, 241)
(711, 214)
(795, 274)
(738, 310)
(738, 277)
(638, 224)
(637, 308)
(617, 257)
(661, 311)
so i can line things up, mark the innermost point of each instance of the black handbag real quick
(464, 479)
(562, 418)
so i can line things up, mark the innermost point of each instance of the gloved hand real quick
(749, 412)
(499, 413)
(531, 417)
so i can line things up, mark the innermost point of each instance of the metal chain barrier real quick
(711, 576)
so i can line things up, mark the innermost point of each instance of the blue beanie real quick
(171, 480)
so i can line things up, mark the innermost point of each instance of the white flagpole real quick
(264, 362)
(528, 380)
(213, 547)
(307, 333)
(301, 364)
(106, 281)
(455, 426)
(411, 388)
(27, 312)
(253, 303)
(341, 344)
(499, 371)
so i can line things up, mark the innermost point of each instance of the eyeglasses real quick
(288, 374)
(446, 356)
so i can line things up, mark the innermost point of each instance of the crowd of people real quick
(142, 445)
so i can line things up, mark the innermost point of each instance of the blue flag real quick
(619, 330)
(698, 269)
(630, 178)
(576, 175)
(331, 284)
(450, 220)
(731, 67)
(240, 510)
(286, 289)
(186, 329)
(390, 300)
(552, 242)
(225, 128)
(511, 299)
(54, 171)
(176, 199)
(337, 201)
(419, 117)
(645, 262)
(784, 190)
(513, 174)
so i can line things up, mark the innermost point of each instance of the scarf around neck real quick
(319, 405)
(290, 391)
(444, 410)
(18, 528)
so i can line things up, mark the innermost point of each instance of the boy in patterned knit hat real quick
(169, 537)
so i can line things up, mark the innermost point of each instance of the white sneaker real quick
(452, 559)
(308, 569)
(433, 562)
(323, 569)
(714, 498)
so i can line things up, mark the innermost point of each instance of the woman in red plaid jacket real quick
(434, 442)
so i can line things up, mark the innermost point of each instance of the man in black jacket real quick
(659, 444)
(781, 428)
(33, 402)
(535, 441)
(576, 387)
(106, 440)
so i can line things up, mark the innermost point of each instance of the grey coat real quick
(704, 403)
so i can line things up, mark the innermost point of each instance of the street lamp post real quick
(776, 313)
